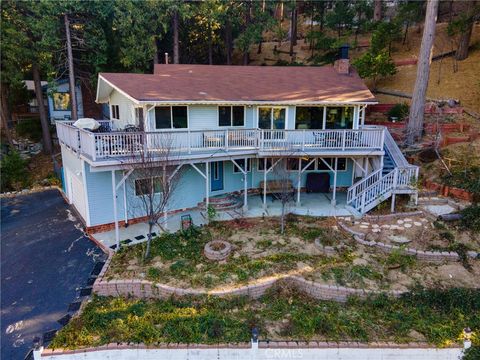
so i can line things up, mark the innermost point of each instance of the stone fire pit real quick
(217, 250)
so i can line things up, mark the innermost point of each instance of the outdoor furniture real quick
(277, 187)
(213, 141)
(318, 182)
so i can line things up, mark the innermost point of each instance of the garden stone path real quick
(45, 260)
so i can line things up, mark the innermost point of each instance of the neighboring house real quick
(59, 101)
(228, 125)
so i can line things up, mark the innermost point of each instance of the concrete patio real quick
(313, 204)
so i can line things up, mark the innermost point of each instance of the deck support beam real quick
(392, 209)
(115, 217)
(334, 196)
(264, 183)
(300, 172)
(205, 176)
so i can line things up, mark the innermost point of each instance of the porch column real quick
(245, 188)
(264, 183)
(165, 209)
(392, 209)
(299, 179)
(206, 186)
(125, 203)
(115, 219)
(334, 195)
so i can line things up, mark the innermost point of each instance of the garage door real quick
(78, 196)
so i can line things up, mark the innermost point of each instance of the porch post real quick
(206, 186)
(299, 179)
(115, 219)
(392, 209)
(165, 209)
(125, 203)
(245, 188)
(334, 200)
(264, 183)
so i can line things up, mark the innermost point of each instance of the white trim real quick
(236, 166)
(100, 77)
(144, 178)
(111, 111)
(231, 117)
(257, 103)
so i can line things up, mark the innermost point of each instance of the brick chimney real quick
(342, 65)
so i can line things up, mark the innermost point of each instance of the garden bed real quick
(435, 316)
(314, 249)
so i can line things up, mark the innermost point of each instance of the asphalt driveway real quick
(45, 260)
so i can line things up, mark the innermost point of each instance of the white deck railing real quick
(102, 145)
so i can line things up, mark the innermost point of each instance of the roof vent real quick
(342, 65)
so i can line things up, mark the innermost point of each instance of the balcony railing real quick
(116, 144)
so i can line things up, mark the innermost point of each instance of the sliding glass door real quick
(271, 118)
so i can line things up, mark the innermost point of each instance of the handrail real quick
(394, 151)
(121, 143)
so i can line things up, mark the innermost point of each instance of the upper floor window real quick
(309, 117)
(271, 118)
(115, 112)
(171, 117)
(231, 116)
(339, 118)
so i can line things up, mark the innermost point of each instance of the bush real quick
(30, 128)
(399, 111)
(14, 172)
(471, 218)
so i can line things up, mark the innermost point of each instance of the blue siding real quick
(188, 193)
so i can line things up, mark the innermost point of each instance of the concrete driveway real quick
(45, 260)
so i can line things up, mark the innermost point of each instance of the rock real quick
(400, 228)
(347, 218)
(398, 239)
(386, 226)
(359, 261)
(281, 241)
(408, 225)
(416, 223)
(400, 222)
(365, 223)
(364, 226)
(375, 226)
(407, 220)
(376, 230)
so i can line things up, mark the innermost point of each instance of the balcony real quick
(187, 144)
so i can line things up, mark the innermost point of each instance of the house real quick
(227, 127)
(59, 102)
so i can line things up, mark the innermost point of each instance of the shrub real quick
(399, 111)
(30, 128)
(14, 171)
(471, 218)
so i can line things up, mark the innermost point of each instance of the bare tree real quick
(156, 174)
(47, 139)
(415, 122)
(281, 187)
(377, 12)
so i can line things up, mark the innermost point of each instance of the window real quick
(61, 101)
(339, 118)
(231, 116)
(145, 186)
(271, 118)
(292, 164)
(341, 164)
(306, 161)
(308, 117)
(171, 117)
(241, 163)
(115, 112)
(260, 164)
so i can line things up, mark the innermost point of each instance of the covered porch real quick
(311, 204)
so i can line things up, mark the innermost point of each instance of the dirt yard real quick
(260, 251)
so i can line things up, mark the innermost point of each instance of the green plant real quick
(471, 218)
(397, 258)
(14, 173)
(375, 66)
(211, 213)
(30, 128)
(399, 111)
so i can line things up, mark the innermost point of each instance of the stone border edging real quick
(10, 194)
(217, 255)
(145, 289)
(423, 255)
(393, 215)
(262, 344)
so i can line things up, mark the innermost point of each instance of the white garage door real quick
(78, 196)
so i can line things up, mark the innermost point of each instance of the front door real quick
(216, 176)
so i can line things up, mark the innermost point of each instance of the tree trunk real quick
(377, 12)
(282, 13)
(156, 57)
(5, 114)
(71, 71)
(248, 5)
(417, 109)
(407, 25)
(462, 50)
(176, 47)
(210, 45)
(293, 29)
(228, 41)
(47, 140)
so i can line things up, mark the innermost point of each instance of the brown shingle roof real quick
(243, 83)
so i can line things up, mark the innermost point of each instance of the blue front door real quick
(216, 176)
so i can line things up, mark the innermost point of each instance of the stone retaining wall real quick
(423, 255)
(145, 289)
